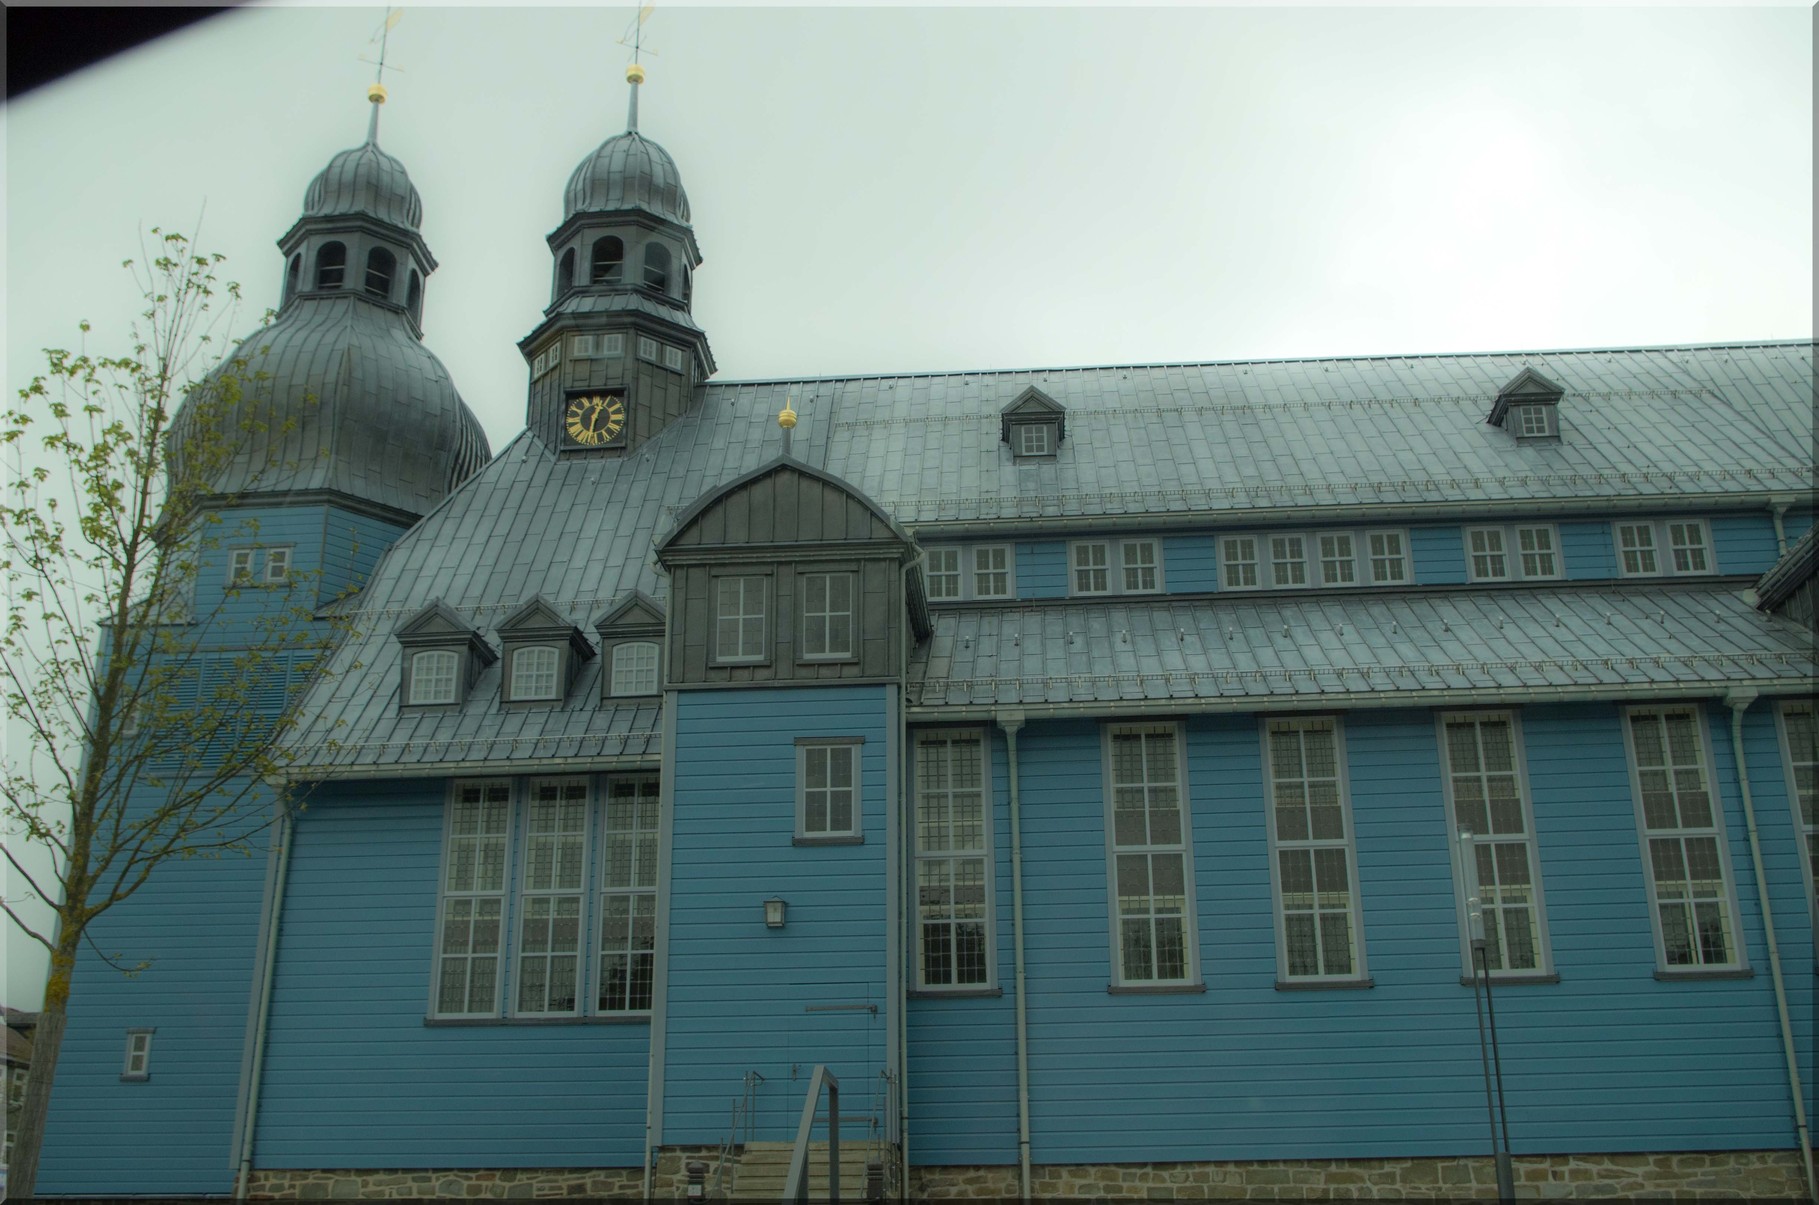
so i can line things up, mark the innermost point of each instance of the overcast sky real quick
(907, 189)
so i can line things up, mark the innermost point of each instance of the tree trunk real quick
(47, 1043)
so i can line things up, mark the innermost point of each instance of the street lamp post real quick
(1488, 1055)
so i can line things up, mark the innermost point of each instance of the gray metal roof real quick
(627, 171)
(1206, 443)
(343, 396)
(1256, 653)
(365, 181)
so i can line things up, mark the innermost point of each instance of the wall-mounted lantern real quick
(774, 910)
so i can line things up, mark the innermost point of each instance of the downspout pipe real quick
(267, 972)
(1778, 511)
(1739, 701)
(1011, 721)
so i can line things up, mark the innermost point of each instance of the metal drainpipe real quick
(1011, 721)
(1778, 511)
(267, 971)
(1738, 701)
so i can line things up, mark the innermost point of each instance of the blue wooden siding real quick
(353, 1076)
(1585, 550)
(963, 1050)
(739, 994)
(1607, 1059)
(351, 545)
(1438, 554)
(1042, 569)
(193, 927)
(1796, 523)
(1744, 543)
(1190, 564)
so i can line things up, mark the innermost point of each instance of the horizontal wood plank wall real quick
(1608, 1059)
(231, 616)
(1744, 543)
(876, 633)
(962, 1049)
(1437, 553)
(352, 544)
(355, 1079)
(196, 925)
(1585, 550)
(739, 993)
(1190, 564)
(1041, 569)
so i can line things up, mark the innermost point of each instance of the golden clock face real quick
(594, 419)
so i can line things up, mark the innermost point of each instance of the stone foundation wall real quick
(1712, 1175)
(1704, 1176)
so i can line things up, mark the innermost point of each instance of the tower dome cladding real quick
(627, 171)
(364, 181)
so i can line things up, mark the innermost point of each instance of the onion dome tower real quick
(338, 400)
(618, 354)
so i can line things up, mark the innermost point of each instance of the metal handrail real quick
(795, 1187)
(745, 1105)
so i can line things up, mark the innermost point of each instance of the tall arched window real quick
(331, 265)
(565, 272)
(380, 265)
(609, 260)
(292, 274)
(656, 267)
(413, 300)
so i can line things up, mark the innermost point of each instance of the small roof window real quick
(1033, 425)
(442, 657)
(1528, 407)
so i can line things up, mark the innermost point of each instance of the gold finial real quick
(376, 93)
(634, 74)
(786, 418)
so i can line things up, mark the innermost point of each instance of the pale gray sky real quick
(910, 189)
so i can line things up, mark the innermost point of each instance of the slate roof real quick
(1212, 443)
(1340, 649)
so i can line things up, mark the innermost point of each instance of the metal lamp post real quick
(1488, 1055)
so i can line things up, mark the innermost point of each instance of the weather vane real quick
(376, 91)
(634, 74)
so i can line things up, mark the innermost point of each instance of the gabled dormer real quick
(1033, 425)
(1528, 407)
(543, 652)
(631, 641)
(443, 656)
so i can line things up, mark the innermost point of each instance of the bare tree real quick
(154, 727)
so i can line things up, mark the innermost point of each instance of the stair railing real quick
(795, 1187)
(745, 1105)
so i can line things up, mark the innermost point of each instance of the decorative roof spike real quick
(634, 75)
(376, 94)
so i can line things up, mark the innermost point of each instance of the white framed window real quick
(672, 358)
(827, 615)
(239, 566)
(953, 861)
(1338, 559)
(1636, 548)
(1501, 554)
(1389, 557)
(635, 668)
(739, 629)
(1034, 439)
(534, 673)
(552, 888)
(545, 361)
(1800, 757)
(277, 566)
(827, 788)
(1487, 796)
(1288, 561)
(1532, 422)
(138, 1065)
(1092, 572)
(1539, 551)
(1683, 845)
(471, 932)
(434, 675)
(1238, 562)
(941, 573)
(648, 348)
(1313, 863)
(628, 895)
(992, 571)
(583, 347)
(1141, 562)
(1662, 547)
(1151, 864)
(1687, 544)
(1484, 549)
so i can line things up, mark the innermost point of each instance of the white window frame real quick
(1553, 552)
(1287, 557)
(1662, 546)
(1346, 844)
(467, 903)
(1089, 568)
(583, 347)
(1132, 560)
(635, 668)
(1497, 913)
(823, 618)
(137, 1067)
(749, 615)
(943, 564)
(1346, 561)
(1726, 897)
(975, 574)
(1032, 440)
(1803, 796)
(1521, 561)
(277, 567)
(240, 566)
(1379, 561)
(546, 361)
(631, 812)
(1487, 557)
(418, 692)
(552, 894)
(525, 679)
(833, 750)
(954, 858)
(1232, 566)
(649, 348)
(672, 358)
(1533, 420)
(1679, 546)
(1122, 855)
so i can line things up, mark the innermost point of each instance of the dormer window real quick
(1528, 407)
(1034, 425)
(543, 652)
(442, 658)
(635, 668)
(631, 635)
(381, 265)
(533, 673)
(331, 265)
(609, 260)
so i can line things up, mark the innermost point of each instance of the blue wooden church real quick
(1097, 774)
